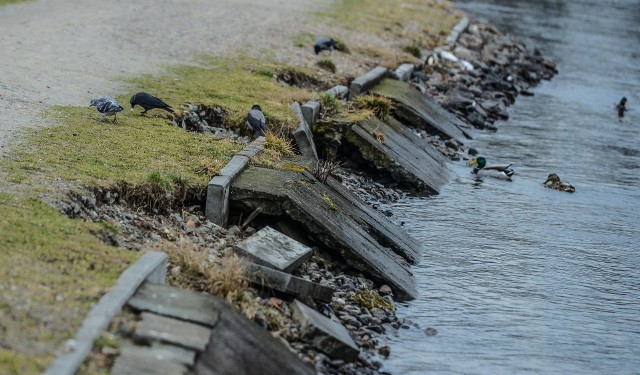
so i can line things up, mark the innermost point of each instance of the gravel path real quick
(68, 51)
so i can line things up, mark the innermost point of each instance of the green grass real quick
(327, 64)
(7, 2)
(53, 269)
(413, 50)
(425, 22)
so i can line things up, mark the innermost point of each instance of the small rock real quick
(430, 331)
(384, 351)
(385, 290)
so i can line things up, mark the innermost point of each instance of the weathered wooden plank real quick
(285, 283)
(274, 249)
(177, 303)
(161, 352)
(312, 204)
(420, 110)
(173, 331)
(142, 364)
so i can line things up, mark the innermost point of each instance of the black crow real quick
(324, 44)
(622, 106)
(256, 121)
(106, 106)
(148, 102)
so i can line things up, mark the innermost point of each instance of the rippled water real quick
(518, 278)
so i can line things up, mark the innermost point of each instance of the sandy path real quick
(68, 51)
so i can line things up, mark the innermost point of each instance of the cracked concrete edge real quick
(151, 267)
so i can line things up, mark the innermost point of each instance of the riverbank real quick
(136, 230)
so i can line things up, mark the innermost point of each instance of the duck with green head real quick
(553, 182)
(498, 171)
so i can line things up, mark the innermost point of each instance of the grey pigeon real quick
(324, 44)
(256, 121)
(148, 102)
(106, 106)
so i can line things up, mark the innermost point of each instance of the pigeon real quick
(148, 102)
(622, 106)
(256, 121)
(324, 44)
(106, 106)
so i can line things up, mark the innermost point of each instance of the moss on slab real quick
(46, 261)
(7, 2)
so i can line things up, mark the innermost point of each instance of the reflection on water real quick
(518, 278)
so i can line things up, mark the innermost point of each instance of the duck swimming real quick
(498, 171)
(622, 106)
(553, 182)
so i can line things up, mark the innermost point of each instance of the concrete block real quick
(365, 82)
(217, 204)
(161, 352)
(273, 249)
(458, 29)
(338, 91)
(235, 166)
(403, 72)
(291, 285)
(303, 134)
(310, 112)
(325, 334)
(254, 148)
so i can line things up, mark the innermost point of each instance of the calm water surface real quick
(521, 279)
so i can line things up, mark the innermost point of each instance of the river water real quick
(517, 278)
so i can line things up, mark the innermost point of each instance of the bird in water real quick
(622, 106)
(498, 171)
(147, 102)
(106, 106)
(256, 121)
(324, 44)
(553, 182)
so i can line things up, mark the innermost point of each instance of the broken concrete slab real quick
(366, 81)
(403, 72)
(418, 110)
(319, 209)
(390, 150)
(172, 331)
(236, 345)
(217, 205)
(303, 134)
(142, 364)
(457, 30)
(310, 111)
(339, 91)
(289, 284)
(325, 334)
(151, 266)
(273, 249)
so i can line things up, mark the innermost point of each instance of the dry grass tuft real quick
(380, 106)
(324, 168)
(327, 65)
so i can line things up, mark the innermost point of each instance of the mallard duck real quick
(622, 106)
(553, 182)
(498, 171)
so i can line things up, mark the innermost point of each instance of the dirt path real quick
(68, 51)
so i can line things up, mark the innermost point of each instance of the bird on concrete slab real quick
(324, 44)
(622, 106)
(147, 102)
(106, 106)
(256, 121)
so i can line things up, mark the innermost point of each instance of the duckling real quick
(622, 106)
(553, 182)
(497, 171)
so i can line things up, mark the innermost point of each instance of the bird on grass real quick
(553, 182)
(147, 102)
(324, 44)
(256, 121)
(498, 171)
(621, 107)
(106, 106)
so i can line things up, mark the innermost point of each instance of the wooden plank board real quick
(161, 352)
(177, 303)
(173, 331)
(140, 364)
